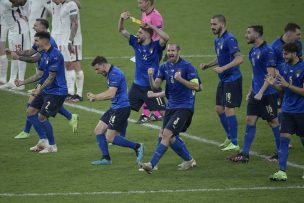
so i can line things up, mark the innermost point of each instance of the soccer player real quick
(3, 57)
(229, 90)
(147, 54)
(181, 84)
(71, 47)
(292, 33)
(262, 98)
(32, 56)
(290, 80)
(49, 97)
(18, 38)
(37, 10)
(152, 16)
(114, 120)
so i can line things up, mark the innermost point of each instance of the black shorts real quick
(266, 108)
(138, 96)
(292, 123)
(177, 120)
(229, 94)
(116, 119)
(48, 104)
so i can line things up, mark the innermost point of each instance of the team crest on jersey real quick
(47, 61)
(298, 73)
(151, 50)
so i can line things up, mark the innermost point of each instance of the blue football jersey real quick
(261, 58)
(225, 47)
(116, 78)
(178, 95)
(277, 46)
(147, 56)
(46, 73)
(52, 61)
(294, 74)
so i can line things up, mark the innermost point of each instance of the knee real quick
(219, 109)
(274, 123)
(250, 121)
(229, 111)
(42, 118)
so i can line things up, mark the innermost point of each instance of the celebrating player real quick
(262, 98)
(290, 80)
(116, 118)
(181, 84)
(229, 90)
(49, 97)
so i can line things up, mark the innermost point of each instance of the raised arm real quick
(282, 82)
(124, 16)
(163, 36)
(193, 84)
(27, 58)
(31, 79)
(214, 62)
(106, 95)
(155, 84)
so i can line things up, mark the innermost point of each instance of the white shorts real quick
(19, 42)
(68, 57)
(3, 33)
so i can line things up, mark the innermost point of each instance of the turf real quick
(70, 171)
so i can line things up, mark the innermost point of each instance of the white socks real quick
(79, 82)
(22, 69)
(70, 76)
(14, 71)
(3, 69)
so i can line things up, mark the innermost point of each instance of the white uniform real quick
(67, 10)
(56, 33)
(3, 27)
(37, 9)
(18, 31)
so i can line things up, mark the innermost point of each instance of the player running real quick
(115, 119)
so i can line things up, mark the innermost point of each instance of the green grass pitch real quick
(68, 174)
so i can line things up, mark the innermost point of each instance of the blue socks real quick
(28, 124)
(179, 147)
(276, 134)
(65, 113)
(49, 131)
(249, 137)
(283, 153)
(159, 152)
(124, 131)
(233, 128)
(103, 145)
(224, 123)
(123, 142)
(37, 125)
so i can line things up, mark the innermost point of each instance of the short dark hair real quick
(291, 47)
(148, 30)
(99, 60)
(257, 28)
(43, 35)
(291, 27)
(220, 18)
(44, 22)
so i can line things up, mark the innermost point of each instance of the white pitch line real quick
(204, 190)
(193, 137)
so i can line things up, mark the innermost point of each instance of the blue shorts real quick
(177, 120)
(229, 94)
(292, 123)
(116, 119)
(266, 108)
(48, 104)
(138, 96)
